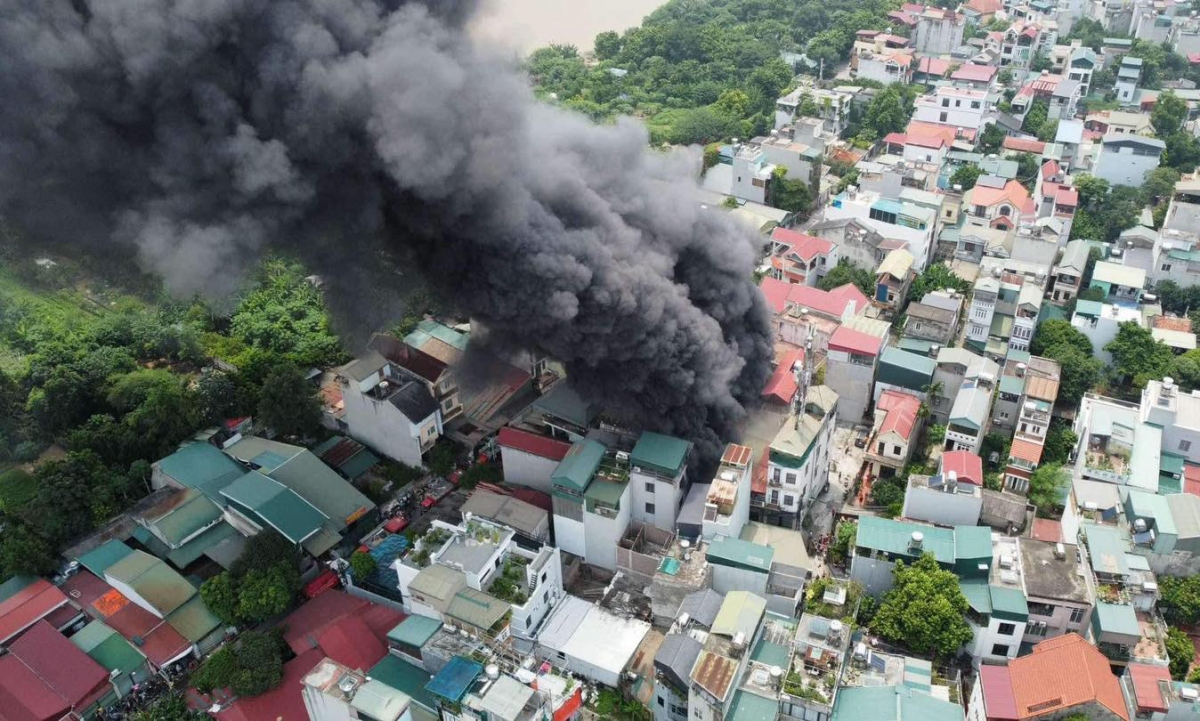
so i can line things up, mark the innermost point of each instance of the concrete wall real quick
(852, 383)
(667, 495)
(384, 428)
(528, 618)
(665, 699)
(526, 469)
(326, 708)
(942, 508)
(602, 534)
(728, 578)
(987, 637)
(1058, 622)
(569, 534)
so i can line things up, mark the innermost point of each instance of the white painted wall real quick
(852, 382)
(602, 534)
(570, 536)
(527, 469)
(987, 637)
(385, 429)
(666, 495)
(545, 571)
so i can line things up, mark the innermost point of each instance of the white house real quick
(938, 31)
(1100, 323)
(751, 174)
(1127, 159)
(1178, 413)
(388, 410)
(955, 107)
(657, 479)
(798, 464)
(530, 459)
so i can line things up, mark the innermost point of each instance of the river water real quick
(526, 25)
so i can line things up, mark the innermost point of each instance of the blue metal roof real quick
(455, 679)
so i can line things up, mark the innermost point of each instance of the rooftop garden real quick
(434, 538)
(813, 688)
(817, 604)
(509, 584)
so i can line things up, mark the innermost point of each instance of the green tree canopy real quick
(925, 610)
(1138, 357)
(936, 277)
(1058, 332)
(1180, 653)
(966, 175)
(1168, 114)
(289, 402)
(172, 707)
(362, 564)
(1180, 601)
(792, 195)
(846, 272)
(285, 314)
(1060, 440)
(1047, 486)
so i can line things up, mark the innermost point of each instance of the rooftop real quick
(1051, 576)
(664, 454)
(1039, 686)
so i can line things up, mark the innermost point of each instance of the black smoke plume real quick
(366, 136)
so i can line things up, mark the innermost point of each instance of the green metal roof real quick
(978, 596)
(972, 542)
(664, 454)
(771, 654)
(1008, 604)
(747, 706)
(193, 620)
(1171, 463)
(606, 492)
(405, 678)
(107, 648)
(430, 329)
(323, 488)
(895, 537)
(892, 703)
(100, 558)
(1106, 546)
(276, 505)
(741, 611)
(1142, 504)
(1012, 385)
(916, 345)
(359, 464)
(1116, 618)
(477, 608)
(195, 548)
(203, 467)
(415, 630)
(577, 468)
(906, 370)
(152, 579)
(195, 512)
(727, 551)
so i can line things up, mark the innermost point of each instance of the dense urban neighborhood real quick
(967, 490)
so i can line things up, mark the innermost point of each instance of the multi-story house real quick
(1118, 122)
(751, 174)
(936, 324)
(1037, 383)
(1128, 159)
(1023, 41)
(955, 107)
(885, 67)
(1120, 283)
(1176, 258)
(997, 203)
(799, 257)
(1068, 273)
(880, 542)
(898, 223)
(985, 294)
(1082, 65)
(893, 433)
(388, 409)
(942, 499)
(850, 369)
(955, 366)
(801, 160)
(938, 31)
(1129, 76)
(798, 461)
(832, 107)
(724, 657)
(892, 279)
(807, 316)
(998, 614)
(1177, 413)
(1060, 598)
(658, 478)
(968, 420)
(1100, 323)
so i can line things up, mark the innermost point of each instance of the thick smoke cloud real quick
(367, 136)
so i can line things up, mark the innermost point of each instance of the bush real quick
(362, 565)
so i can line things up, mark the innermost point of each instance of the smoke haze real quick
(368, 136)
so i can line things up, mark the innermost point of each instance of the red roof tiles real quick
(973, 73)
(854, 341)
(1047, 529)
(1012, 193)
(803, 245)
(901, 413)
(966, 466)
(533, 444)
(1025, 450)
(1042, 687)
(351, 643)
(933, 66)
(782, 385)
(25, 607)
(833, 303)
(1024, 145)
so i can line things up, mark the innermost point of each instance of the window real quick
(649, 508)
(1185, 446)
(546, 595)
(1005, 210)
(789, 500)
(1166, 267)
(790, 479)
(528, 621)
(881, 447)
(775, 474)
(649, 487)
(1003, 415)
(775, 497)
(942, 117)
(896, 450)
(999, 649)
(1037, 629)
(661, 702)
(447, 404)
(958, 103)
(1007, 629)
(975, 105)
(945, 102)
(1077, 615)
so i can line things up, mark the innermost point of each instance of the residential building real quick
(954, 367)
(974, 76)
(817, 658)
(1069, 139)
(529, 521)
(1118, 122)
(1129, 76)
(905, 372)
(1060, 598)
(658, 479)
(892, 279)
(1081, 66)
(1114, 441)
(388, 410)
(942, 499)
(893, 434)
(1120, 283)
(722, 506)
(938, 325)
(998, 613)
(880, 542)
(887, 67)
(1034, 383)
(44, 676)
(530, 459)
(724, 658)
(955, 107)
(591, 641)
(592, 502)
(938, 31)
(751, 174)
(969, 417)
(25, 600)
(1100, 322)
(900, 225)
(850, 369)
(1069, 271)
(833, 107)
(1127, 160)
(801, 258)
(1023, 41)
(996, 203)
(1035, 686)
(1178, 414)
(978, 241)
(807, 317)
(802, 161)
(797, 469)
(121, 660)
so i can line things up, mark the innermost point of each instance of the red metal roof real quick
(1146, 680)
(895, 139)
(573, 703)
(1025, 450)
(25, 607)
(933, 66)
(1047, 529)
(305, 624)
(736, 455)
(60, 664)
(533, 444)
(901, 413)
(998, 699)
(533, 497)
(154, 637)
(1191, 479)
(782, 384)
(855, 341)
(24, 696)
(975, 73)
(966, 466)
(1024, 145)
(351, 643)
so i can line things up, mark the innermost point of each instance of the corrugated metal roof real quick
(714, 673)
(106, 554)
(1106, 546)
(202, 466)
(438, 581)
(27, 605)
(748, 706)
(533, 444)
(276, 504)
(404, 677)
(741, 612)
(477, 608)
(193, 620)
(892, 703)
(729, 551)
(576, 470)
(415, 630)
(455, 679)
(323, 488)
(998, 697)
(106, 647)
(59, 664)
(904, 369)
(153, 580)
(665, 454)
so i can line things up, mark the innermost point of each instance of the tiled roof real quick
(853, 341)
(933, 66)
(967, 466)
(975, 73)
(1024, 145)
(1047, 529)
(803, 245)
(782, 385)
(901, 413)
(533, 444)
(998, 693)
(1013, 193)
(1041, 687)
(1025, 450)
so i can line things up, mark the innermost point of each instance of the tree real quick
(263, 595)
(264, 551)
(1060, 441)
(1027, 169)
(1186, 369)
(794, 196)
(289, 403)
(993, 135)
(1005, 77)
(1168, 114)
(1182, 151)
(172, 707)
(1035, 117)
(886, 113)
(936, 433)
(925, 610)
(221, 596)
(966, 176)
(362, 565)
(1047, 486)
(285, 314)
(607, 44)
(846, 272)
(1058, 332)
(260, 663)
(74, 494)
(936, 277)
(216, 396)
(1159, 185)
(24, 553)
(1079, 373)
(1138, 357)
(1180, 653)
(1180, 602)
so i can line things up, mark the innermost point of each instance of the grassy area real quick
(17, 487)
